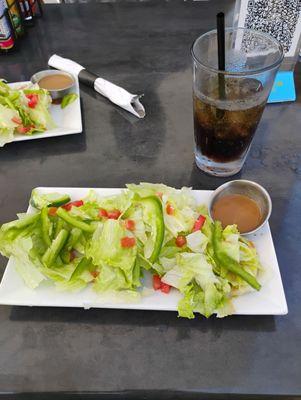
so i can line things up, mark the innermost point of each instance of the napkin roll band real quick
(86, 77)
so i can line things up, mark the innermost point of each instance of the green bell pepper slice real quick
(73, 238)
(153, 206)
(81, 267)
(59, 225)
(227, 262)
(56, 246)
(74, 221)
(46, 225)
(21, 223)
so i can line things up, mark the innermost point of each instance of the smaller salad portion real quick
(23, 111)
(109, 243)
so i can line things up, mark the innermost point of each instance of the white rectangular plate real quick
(270, 300)
(68, 120)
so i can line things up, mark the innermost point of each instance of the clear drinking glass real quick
(228, 104)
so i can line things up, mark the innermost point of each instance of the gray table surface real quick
(144, 46)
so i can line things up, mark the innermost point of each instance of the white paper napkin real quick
(116, 94)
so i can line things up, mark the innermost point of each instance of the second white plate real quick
(68, 120)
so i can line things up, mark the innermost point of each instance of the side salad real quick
(23, 111)
(110, 242)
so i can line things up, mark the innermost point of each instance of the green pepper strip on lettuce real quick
(153, 207)
(226, 261)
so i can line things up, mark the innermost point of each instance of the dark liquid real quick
(224, 134)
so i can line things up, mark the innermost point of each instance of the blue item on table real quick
(283, 88)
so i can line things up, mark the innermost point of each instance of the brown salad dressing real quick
(237, 209)
(55, 82)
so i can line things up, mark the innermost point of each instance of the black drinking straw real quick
(220, 24)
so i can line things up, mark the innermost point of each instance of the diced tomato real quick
(165, 288)
(32, 103)
(170, 209)
(77, 203)
(199, 223)
(181, 241)
(160, 195)
(103, 213)
(23, 129)
(94, 274)
(72, 255)
(156, 282)
(128, 242)
(114, 214)
(52, 211)
(33, 100)
(130, 224)
(17, 120)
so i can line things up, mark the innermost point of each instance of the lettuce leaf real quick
(105, 246)
(192, 301)
(135, 213)
(16, 242)
(111, 279)
(197, 242)
(121, 202)
(19, 252)
(203, 291)
(14, 104)
(231, 244)
(7, 126)
(78, 274)
(40, 115)
(39, 200)
(117, 264)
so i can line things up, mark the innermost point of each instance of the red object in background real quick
(7, 37)
(15, 15)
